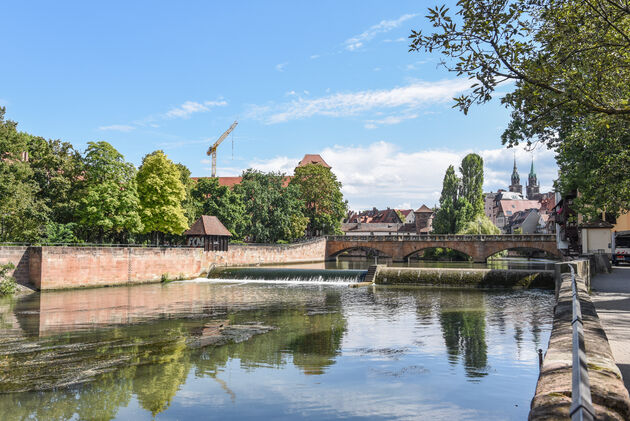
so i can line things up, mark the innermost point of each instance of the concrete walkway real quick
(611, 296)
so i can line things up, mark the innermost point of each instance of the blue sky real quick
(323, 77)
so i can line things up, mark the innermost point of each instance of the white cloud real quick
(357, 41)
(118, 127)
(314, 56)
(389, 120)
(347, 104)
(191, 107)
(382, 175)
(280, 66)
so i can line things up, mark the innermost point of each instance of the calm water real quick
(209, 350)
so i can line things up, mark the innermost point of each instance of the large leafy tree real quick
(471, 189)
(275, 210)
(22, 213)
(568, 60)
(445, 220)
(209, 198)
(188, 203)
(598, 169)
(109, 207)
(58, 171)
(321, 192)
(161, 194)
(459, 201)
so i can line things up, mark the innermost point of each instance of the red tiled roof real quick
(313, 159)
(517, 205)
(208, 225)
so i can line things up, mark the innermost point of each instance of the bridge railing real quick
(446, 237)
(581, 403)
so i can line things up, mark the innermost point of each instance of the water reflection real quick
(139, 352)
(463, 321)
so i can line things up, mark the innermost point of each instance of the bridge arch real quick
(368, 249)
(549, 249)
(431, 247)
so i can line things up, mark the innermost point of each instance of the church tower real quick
(533, 189)
(516, 186)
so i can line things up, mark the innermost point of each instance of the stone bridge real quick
(478, 247)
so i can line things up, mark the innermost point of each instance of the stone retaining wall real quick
(553, 391)
(464, 277)
(19, 256)
(73, 267)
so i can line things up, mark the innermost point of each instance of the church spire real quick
(516, 186)
(531, 171)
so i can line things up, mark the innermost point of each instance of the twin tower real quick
(533, 189)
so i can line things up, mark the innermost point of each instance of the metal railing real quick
(581, 404)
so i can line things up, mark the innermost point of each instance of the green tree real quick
(471, 189)
(275, 211)
(569, 63)
(161, 194)
(109, 207)
(22, 214)
(445, 220)
(209, 198)
(595, 159)
(320, 190)
(480, 225)
(188, 203)
(57, 169)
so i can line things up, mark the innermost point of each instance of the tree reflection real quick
(462, 317)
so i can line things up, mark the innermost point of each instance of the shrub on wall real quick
(7, 283)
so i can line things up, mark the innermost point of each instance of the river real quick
(207, 349)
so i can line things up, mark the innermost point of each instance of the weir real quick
(290, 275)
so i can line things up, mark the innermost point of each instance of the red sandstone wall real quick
(72, 267)
(19, 257)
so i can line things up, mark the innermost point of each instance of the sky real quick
(326, 77)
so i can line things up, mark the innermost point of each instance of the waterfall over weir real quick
(280, 275)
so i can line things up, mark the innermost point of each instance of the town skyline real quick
(353, 94)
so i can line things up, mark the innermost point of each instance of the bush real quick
(7, 283)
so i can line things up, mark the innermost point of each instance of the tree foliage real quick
(110, 202)
(480, 225)
(321, 192)
(161, 193)
(275, 212)
(568, 60)
(568, 55)
(461, 200)
(471, 170)
(22, 214)
(595, 159)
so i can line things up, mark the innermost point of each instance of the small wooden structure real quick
(208, 232)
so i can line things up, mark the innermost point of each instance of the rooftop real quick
(208, 225)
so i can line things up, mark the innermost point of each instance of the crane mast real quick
(213, 149)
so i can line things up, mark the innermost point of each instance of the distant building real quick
(516, 186)
(424, 220)
(389, 222)
(528, 221)
(533, 189)
(507, 208)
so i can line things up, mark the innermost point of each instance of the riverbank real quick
(553, 391)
